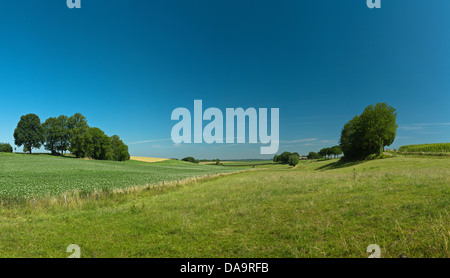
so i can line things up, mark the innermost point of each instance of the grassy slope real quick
(240, 163)
(27, 176)
(319, 209)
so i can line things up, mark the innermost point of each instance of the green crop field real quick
(317, 209)
(427, 148)
(35, 176)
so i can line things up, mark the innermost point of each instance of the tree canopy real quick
(69, 133)
(79, 138)
(370, 132)
(5, 148)
(190, 159)
(287, 158)
(314, 155)
(29, 133)
(118, 150)
(56, 134)
(99, 144)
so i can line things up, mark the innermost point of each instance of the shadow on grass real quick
(47, 154)
(339, 164)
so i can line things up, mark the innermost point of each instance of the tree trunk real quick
(381, 146)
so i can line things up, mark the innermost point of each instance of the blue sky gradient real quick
(126, 65)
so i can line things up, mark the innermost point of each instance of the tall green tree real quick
(380, 125)
(369, 133)
(352, 140)
(336, 151)
(100, 144)
(29, 133)
(326, 152)
(63, 133)
(49, 128)
(79, 138)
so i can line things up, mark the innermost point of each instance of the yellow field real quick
(148, 159)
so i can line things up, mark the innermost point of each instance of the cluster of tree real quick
(287, 158)
(329, 152)
(369, 132)
(314, 155)
(5, 148)
(62, 134)
(334, 151)
(190, 159)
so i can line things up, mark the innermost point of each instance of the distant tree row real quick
(5, 148)
(62, 134)
(369, 132)
(190, 159)
(314, 155)
(330, 152)
(287, 158)
(334, 151)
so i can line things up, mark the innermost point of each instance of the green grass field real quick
(318, 209)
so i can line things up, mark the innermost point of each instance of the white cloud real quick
(300, 141)
(148, 141)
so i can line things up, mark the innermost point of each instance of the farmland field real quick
(36, 176)
(148, 159)
(427, 148)
(318, 209)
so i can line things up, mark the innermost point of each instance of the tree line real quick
(73, 134)
(363, 136)
(334, 151)
(294, 158)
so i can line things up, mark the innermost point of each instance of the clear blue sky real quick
(126, 65)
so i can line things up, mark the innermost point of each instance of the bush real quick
(5, 148)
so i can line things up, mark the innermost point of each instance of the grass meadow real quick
(241, 163)
(317, 209)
